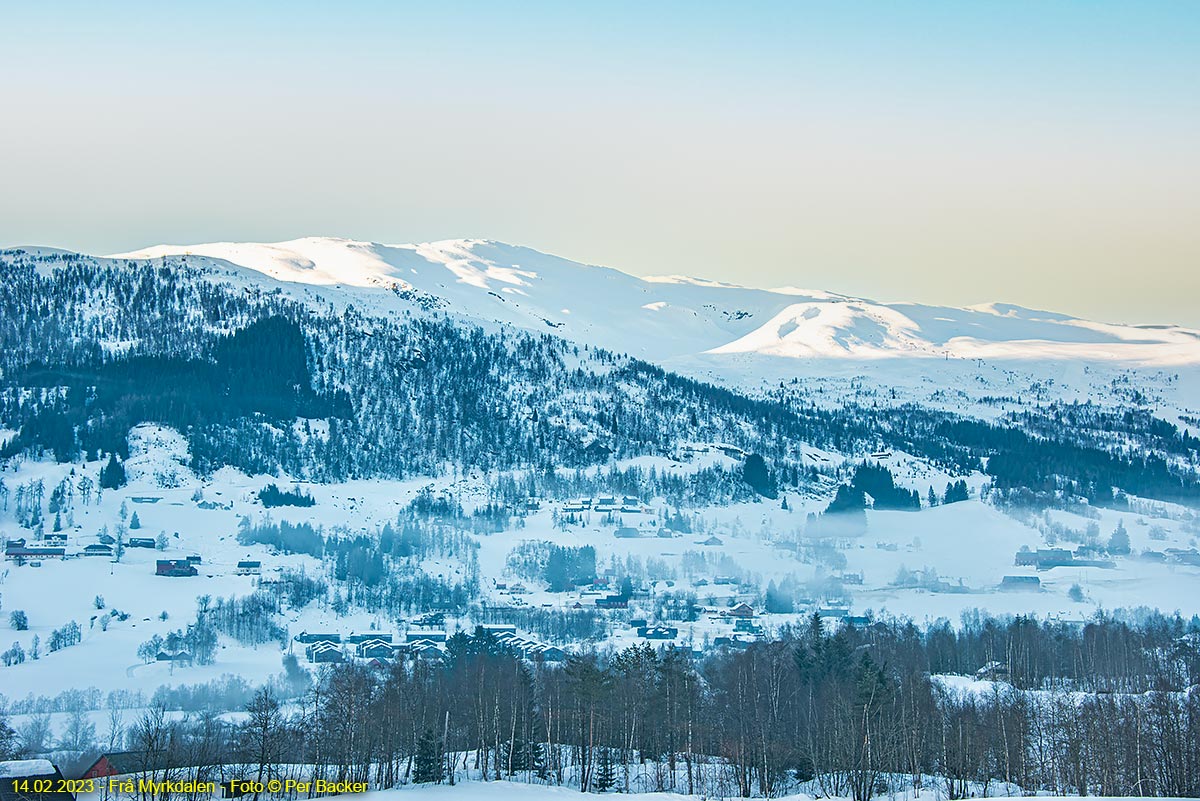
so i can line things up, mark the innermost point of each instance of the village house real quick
(992, 671)
(1012, 583)
(741, 610)
(612, 602)
(97, 549)
(140, 542)
(249, 567)
(175, 568)
(375, 649)
(306, 638)
(658, 632)
(607, 504)
(324, 652)
(41, 771)
(1045, 558)
(23, 552)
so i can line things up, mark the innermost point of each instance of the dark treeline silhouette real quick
(1111, 707)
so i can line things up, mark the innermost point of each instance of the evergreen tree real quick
(1118, 543)
(756, 473)
(112, 475)
(606, 771)
(429, 763)
(134, 522)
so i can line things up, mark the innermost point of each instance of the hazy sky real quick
(1044, 153)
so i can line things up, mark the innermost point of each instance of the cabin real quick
(431, 636)
(140, 542)
(176, 568)
(1017, 583)
(992, 671)
(177, 657)
(658, 633)
(249, 567)
(38, 773)
(1183, 557)
(194, 559)
(97, 549)
(324, 652)
(1045, 558)
(433, 619)
(607, 504)
(306, 638)
(423, 649)
(357, 639)
(713, 540)
(496, 629)
(375, 649)
(125, 763)
(106, 539)
(637, 623)
(55, 538)
(742, 610)
(550, 653)
(627, 533)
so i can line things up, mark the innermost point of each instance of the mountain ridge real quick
(671, 317)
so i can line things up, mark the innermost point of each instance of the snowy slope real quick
(844, 349)
(668, 317)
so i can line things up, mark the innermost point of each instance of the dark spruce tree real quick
(756, 473)
(429, 764)
(112, 475)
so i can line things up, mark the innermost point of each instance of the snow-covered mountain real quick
(983, 359)
(667, 317)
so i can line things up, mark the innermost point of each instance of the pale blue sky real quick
(1035, 152)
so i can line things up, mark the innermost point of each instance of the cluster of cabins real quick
(1095, 556)
(421, 642)
(627, 504)
(331, 647)
(53, 546)
(1047, 558)
(529, 649)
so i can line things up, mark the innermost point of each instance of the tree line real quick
(1113, 709)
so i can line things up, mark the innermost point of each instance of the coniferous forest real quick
(89, 349)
